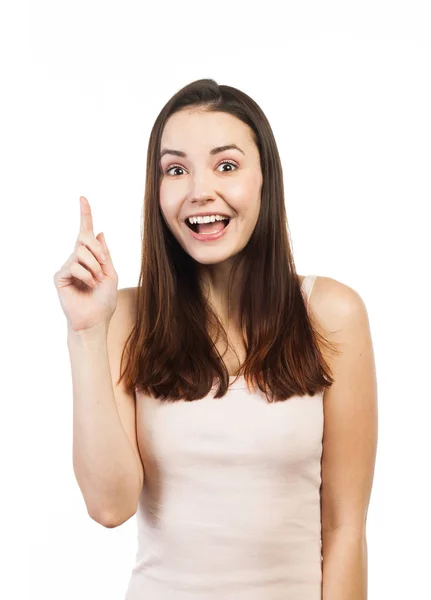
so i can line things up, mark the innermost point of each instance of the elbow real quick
(110, 520)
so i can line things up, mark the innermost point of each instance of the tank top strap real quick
(307, 286)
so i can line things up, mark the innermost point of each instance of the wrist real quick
(95, 333)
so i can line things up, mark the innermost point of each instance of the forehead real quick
(189, 129)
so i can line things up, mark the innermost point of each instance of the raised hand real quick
(87, 301)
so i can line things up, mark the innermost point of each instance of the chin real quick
(209, 258)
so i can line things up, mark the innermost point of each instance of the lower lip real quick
(208, 237)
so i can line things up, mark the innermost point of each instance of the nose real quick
(201, 190)
(202, 197)
(201, 182)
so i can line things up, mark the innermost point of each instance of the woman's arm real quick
(349, 441)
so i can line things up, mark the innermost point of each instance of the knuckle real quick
(81, 251)
(79, 241)
(83, 237)
(85, 275)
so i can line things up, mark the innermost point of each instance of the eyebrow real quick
(216, 150)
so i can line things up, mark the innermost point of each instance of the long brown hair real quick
(170, 353)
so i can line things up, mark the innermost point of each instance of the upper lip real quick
(207, 214)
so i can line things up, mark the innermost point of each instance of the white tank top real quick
(230, 507)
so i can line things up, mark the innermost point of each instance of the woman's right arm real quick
(106, 459)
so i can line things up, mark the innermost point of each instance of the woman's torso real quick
(230, 506)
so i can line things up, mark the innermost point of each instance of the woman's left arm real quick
(349, 441)
(345, 575)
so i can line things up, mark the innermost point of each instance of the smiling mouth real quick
(194, 226)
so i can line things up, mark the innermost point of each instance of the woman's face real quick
(201, 181)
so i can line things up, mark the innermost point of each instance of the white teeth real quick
(208, 219)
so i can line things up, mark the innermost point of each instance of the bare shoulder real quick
(338, 311)
(331, 301)
(128, 300)
(120, 327)
(123, 319)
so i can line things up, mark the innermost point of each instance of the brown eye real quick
(173, 167)
(228, 162)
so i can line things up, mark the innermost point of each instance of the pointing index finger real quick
(86, 223)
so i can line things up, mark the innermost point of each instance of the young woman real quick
(243, 430)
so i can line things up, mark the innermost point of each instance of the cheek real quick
(168, 205)
(245, 189)
(247, 204)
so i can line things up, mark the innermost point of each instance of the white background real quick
(347, 89)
